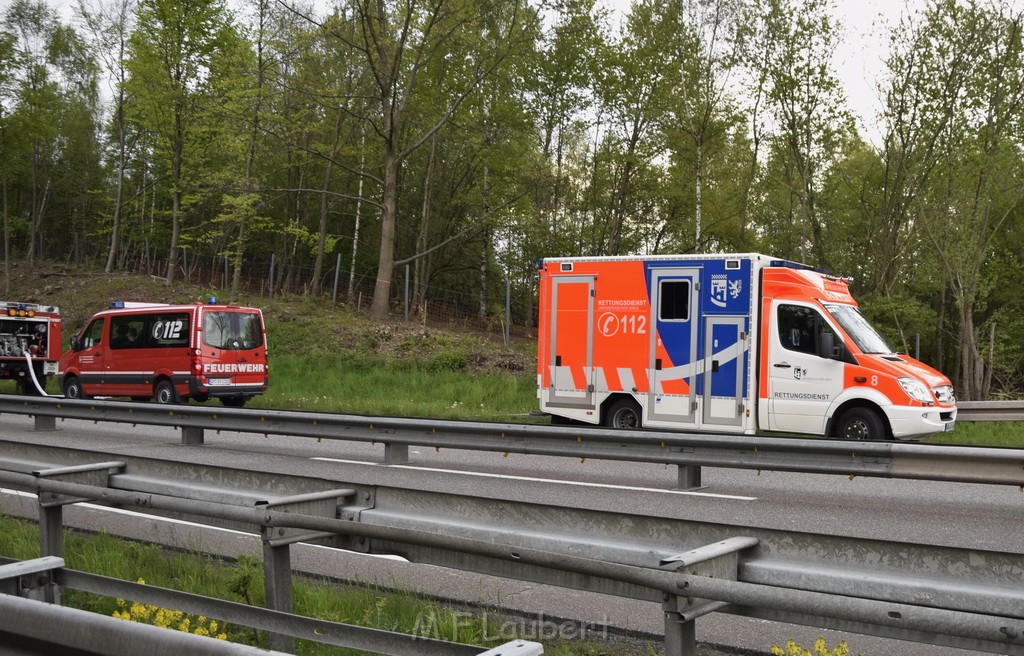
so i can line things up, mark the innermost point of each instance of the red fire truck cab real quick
(169, 353)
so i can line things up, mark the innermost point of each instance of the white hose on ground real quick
(32, 374)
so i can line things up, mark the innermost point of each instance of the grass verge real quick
(242, 581)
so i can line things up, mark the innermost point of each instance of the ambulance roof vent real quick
(566, 267)
(732, 264)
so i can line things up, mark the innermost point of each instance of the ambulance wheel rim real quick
(857, 430)
(861, 424)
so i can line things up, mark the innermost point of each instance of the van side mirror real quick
(75, 344)
(827, 346)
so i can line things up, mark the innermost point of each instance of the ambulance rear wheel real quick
(624, 414)
(860, 424)
(164, 393)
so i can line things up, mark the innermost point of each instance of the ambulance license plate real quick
(950, 425)
(219, 381)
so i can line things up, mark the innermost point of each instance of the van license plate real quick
(949, 426)
(227, 381)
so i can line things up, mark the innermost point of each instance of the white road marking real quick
(542, 480)
(171, 520)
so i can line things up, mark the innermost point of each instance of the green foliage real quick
(472, 140)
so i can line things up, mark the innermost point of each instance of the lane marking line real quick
(531, 479)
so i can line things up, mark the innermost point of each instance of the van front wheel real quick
(73, 388)
(164, 393)
(860, 424)
(624, 414)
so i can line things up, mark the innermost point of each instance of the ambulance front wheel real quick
(624, 414)
(164, 393)
(860, 424)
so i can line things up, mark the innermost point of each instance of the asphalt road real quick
(961, 515)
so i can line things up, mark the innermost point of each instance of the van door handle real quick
(783, 366)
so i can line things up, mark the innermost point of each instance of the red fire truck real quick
(169, 353)
(29, 333)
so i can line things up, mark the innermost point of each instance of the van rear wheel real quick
(233, 401)
(860, 424)
(624, 414)
(164, 393)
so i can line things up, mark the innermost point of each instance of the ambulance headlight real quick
(915, 390)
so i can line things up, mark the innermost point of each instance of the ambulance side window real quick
(799, 327)
(93, 335)
(674, 300)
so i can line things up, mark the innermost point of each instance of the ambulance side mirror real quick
(827, 346)
(829, 349)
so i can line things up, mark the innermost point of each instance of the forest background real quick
(462, 140)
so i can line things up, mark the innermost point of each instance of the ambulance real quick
(29, 337)
(169, 353)
(724, 343)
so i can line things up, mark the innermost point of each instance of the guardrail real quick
(688, 451)
(965, 598)
(22, 613)
(990, 411)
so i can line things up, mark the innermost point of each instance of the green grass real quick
(242, 582)
(353, 385)
(984, 433)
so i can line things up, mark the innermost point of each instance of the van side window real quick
(126, 331)
(93, 335)
(674, 300)
(799, 327)
(166, 330)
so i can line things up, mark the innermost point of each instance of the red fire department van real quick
(169, 353)
(29, 332)
(733, 343)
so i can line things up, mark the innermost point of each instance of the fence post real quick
(337, 270)
(407, 293)
(508, 311)
(273, 261)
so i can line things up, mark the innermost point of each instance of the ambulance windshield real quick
(232, 330)
(857, 327)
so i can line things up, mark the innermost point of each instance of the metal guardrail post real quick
(51, 507)
(31, 578)
(44, 423)
(719, 560)
(191, 435)
(680, 631)
(396, 454)
(689, 477)
(277, 541)
(277, 583)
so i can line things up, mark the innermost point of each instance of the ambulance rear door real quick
(571, 342)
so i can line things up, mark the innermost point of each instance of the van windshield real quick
(232, 330)
(857, 327)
